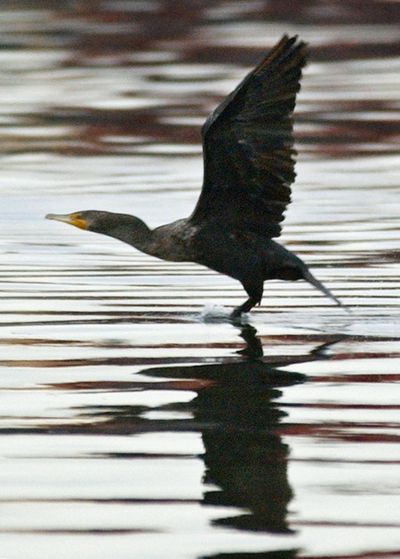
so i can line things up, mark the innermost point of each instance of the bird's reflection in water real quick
(245, 458)
(236, 410)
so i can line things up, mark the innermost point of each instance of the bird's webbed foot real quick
(244, 308)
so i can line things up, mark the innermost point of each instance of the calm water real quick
(136, 421)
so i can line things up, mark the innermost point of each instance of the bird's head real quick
(92, 220)
(127, 228)
(78, 219)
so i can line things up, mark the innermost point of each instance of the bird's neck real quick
(131, 230)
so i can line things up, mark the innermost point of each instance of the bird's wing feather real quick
(248, 146)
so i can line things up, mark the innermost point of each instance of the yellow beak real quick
(72, 219)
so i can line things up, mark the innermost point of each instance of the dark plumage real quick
(248, 170)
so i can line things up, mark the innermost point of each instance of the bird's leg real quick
(245, 307)
(255, 292)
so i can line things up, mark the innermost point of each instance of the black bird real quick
(248, 169)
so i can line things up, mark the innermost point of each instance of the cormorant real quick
(248, 169)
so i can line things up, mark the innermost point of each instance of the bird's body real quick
(248, 169)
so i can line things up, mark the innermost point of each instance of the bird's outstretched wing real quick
(247, 145)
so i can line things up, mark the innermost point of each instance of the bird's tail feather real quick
(307, 275)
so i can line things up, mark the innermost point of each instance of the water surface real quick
(136, 421)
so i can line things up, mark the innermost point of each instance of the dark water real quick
(136, 421)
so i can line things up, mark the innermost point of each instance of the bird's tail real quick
(307, 275)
